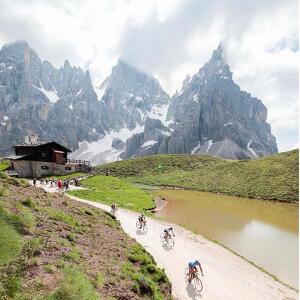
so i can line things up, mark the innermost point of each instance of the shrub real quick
(2, 192)
(74, 254)
(13, 285)
(28, 202)
(22, 222)
(71, 237)
(145, 286)
(34, 246)
(3, 175)
(61, 216)
(75, 286)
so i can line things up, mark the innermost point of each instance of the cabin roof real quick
(16, 157)
(41, 144)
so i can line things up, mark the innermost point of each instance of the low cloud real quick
(170, 39)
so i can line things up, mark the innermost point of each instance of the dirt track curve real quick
(226, 276)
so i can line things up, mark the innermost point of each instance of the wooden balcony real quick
(79, 162)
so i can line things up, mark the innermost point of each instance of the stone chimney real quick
(27, 139)
(34, 139)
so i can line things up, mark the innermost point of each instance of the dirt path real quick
(226, 276)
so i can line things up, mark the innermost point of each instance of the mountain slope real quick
(274, 178)
(212, 115)
(58, 104)
(47, 251)
(128, 97)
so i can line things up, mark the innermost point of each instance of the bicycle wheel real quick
(162, 238)
(145, 228)
(186, 274)
(170, 242)
(138, 225)
(198, 284)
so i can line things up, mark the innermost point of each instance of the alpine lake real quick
(264, 232)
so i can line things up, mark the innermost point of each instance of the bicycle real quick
(114, 212)
(195, 279)
(166, 238)
(141, 226)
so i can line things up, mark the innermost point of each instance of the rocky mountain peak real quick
(217, 65)
(129, 95)
(19, 52)
(211, 115)
(21, 45)
(185, 82)
(123, 73)
(37, 97)
(67, 64)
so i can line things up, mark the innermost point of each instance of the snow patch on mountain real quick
(204, 148)
(51, 95)
(196, 149)
(250, 149)
(210, 143)
(148, 144)
(100, 91)
(78, 92)
(195, 98)
(159, 112)
(101, 151)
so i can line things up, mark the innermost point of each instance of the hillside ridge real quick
(274, 177)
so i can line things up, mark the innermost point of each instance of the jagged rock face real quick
(211, 115)
(147, 142)
(58, 104)
(129, 114)
(129, 96)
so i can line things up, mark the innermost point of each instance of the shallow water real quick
(264, 232)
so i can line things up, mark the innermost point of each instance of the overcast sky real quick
(170, 39)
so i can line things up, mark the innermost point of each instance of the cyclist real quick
(167, 233)
(114, 207)
(193, 269)
(142, 220)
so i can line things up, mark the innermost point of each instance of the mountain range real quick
(129, 114)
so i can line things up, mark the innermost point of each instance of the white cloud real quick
(170, 39)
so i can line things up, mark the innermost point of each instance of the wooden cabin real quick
(39, 159)
(46, 152)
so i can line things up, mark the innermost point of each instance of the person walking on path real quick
(59, 185)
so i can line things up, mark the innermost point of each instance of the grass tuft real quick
(28, 202)
(75, 285)
(61, 216)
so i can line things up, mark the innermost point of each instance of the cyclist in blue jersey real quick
(193, 269)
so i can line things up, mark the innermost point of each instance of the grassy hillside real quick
(52, 248)
(3, 164)
(108, 189)
(68, 176)
(274, 177)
